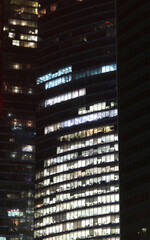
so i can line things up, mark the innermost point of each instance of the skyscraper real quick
(134, 102)
(17, 127)
(77, 143)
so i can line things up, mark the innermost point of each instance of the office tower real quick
(76, 194)
(17, 121)
(134, 100)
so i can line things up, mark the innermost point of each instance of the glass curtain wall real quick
(77, 173)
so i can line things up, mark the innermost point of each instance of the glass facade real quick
(77, 170)
(17, 119)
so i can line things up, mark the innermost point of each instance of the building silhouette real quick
(77, 177)
(133, 39)
(17, 118)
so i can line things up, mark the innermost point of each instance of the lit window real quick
(83, 143)
(16, 43)
(94, 108)
(80, 120)
(109, 68)
(28, 44)
(29, 123)
(28, 37)
(31, 44)
(56, 75)
(9, 114)
(13, 155)
(22, 22)
(42, 12)
(11, 139)
(11, 35)
(17, 127)
(27, 148)
(30, 91)
(65, 97)
(15, 89)
(16, 66)
(26, 157)
(23, 9)
(25, 2)
(95, 71)
(15, 213)
(53, 7)
(5, 28)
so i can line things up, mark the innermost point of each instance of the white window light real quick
(50, 76)
(27, 148)
(16, 43)
(11, 35)
(109, 68)
(64, 97)
(79, 120)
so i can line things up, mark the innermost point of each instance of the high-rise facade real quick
(133, 38)
(17, 120)
(77, 192)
